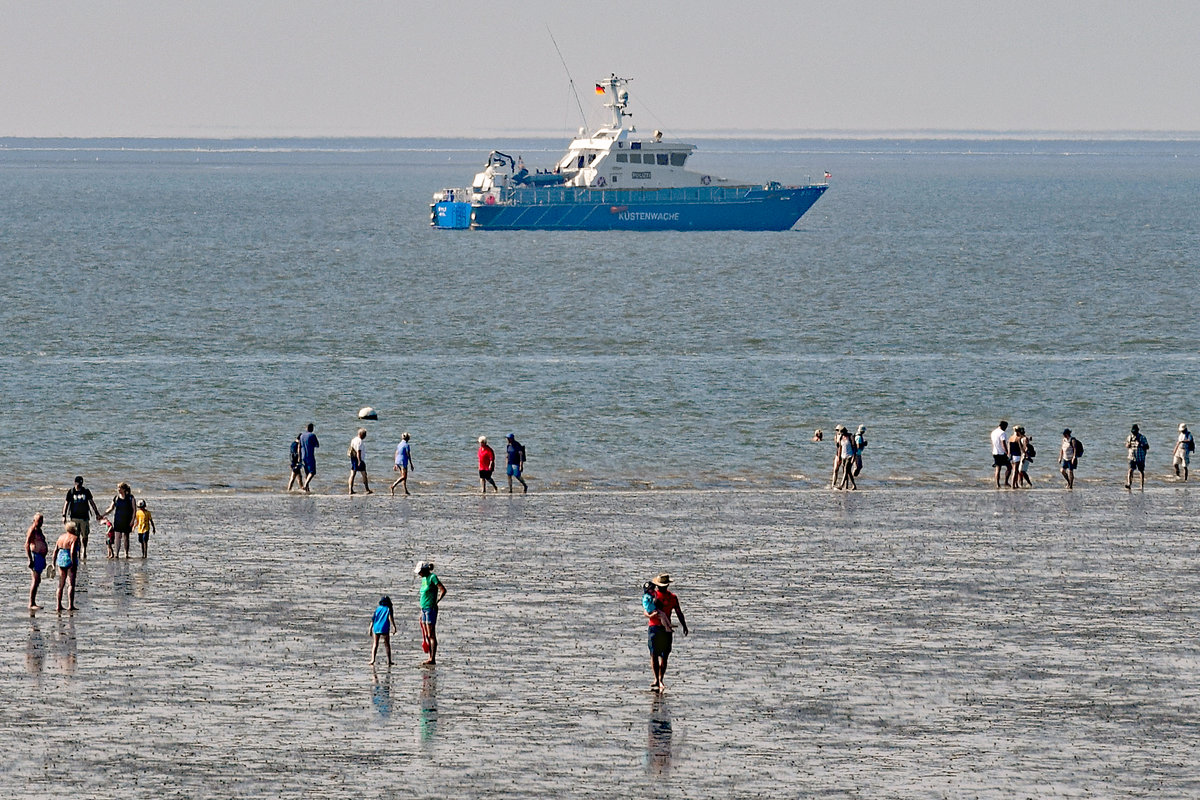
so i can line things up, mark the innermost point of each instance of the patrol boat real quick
(617, 179)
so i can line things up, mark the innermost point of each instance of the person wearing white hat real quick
(431, 593)
(860, 444)
(487, 463)
(1184, 446)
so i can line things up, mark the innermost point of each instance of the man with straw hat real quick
(659, 633)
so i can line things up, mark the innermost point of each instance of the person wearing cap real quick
(143, 525)
(658, 633)
(430, 594)
(1184, 446)
(404, 463)
(1067, 458)
(487, 464)
(75, 509)
(358, 461)
(1000, 458)
(516, 463)
(860, 444)
(1136, 445)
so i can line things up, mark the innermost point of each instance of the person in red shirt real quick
(659, 635)
(487, 463)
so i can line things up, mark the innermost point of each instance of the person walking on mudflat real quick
(123, 508)
(659, 635)
(860, 444)
(66, 558)
(404, 463)
(1185, 445)
(79, 499)
(430, 594)
(1136, 445)
(297, 478)
(838, 467)
(308, 455)
(1068, 457)
(358, 461)
(35, 552)
(516, 463)
(1000, 457)
(487, 464)
(846, 445)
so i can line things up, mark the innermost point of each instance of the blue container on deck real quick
(452, 215)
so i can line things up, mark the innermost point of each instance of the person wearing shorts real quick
(1000, 457)
(1136, 444)
(1066, 458)
(487, 465)
(430, 595)
(358, 461)
(35, 551)
(79, 500)
(516, 463)
(404, 463)
(308, 454)
(659, 635)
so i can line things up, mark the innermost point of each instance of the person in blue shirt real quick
(404, 463)
(308, 455)
(383, 624)
(516, 463)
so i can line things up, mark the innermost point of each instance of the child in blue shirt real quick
(382, 626)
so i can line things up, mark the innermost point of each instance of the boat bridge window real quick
(677, 159)
(664, 159)
(622, 157)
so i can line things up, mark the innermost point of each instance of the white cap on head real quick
(1182, 427)
(422, 566)
(483, 440)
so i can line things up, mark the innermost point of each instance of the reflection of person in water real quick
(658, 737)
(381, 693)
(427, 721)
(35, 648)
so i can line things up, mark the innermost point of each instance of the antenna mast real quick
(570, 80)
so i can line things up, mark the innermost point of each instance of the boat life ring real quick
(491, 200)
(706, 180)
(600, 181)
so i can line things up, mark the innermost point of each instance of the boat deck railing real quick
(689, 194)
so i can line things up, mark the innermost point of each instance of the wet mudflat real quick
(898, 643)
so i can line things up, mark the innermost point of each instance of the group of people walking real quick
(847, 455)
(128, 516)
(304, 462)
(1013, 452)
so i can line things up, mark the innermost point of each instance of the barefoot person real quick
(659, 635)
(358, 461)
(297, 479)
(516, 463)
(383, 625)
(1181, 456)
(66, 558)
(79, 500)
(308, 454)
(431, 593)
(487, 463)
(122, 509)
(404, 463)
(1067, 458)
(1136, 446)
(143, 523)
(35, 552)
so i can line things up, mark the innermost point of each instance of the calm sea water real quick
(175, 311)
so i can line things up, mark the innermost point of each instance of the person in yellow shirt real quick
(143, 524)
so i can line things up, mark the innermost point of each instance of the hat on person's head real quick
(862, 428)
(141, 503)
(404, 436)
(423, 567)
(511, 436)
(1066, 431)
(839, 427)
(79, 479)
(483, 440)
(1182, 427)
(662, 579)
(1133, 429)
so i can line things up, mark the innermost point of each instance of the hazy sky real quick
(270, 67)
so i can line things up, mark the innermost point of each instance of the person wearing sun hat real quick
(659, 635)
(431, 593)
(1184, 446)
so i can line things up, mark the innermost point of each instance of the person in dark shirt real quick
(516, 463)
(75, 509)
(122, 508)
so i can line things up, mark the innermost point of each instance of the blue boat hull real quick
(706, 209)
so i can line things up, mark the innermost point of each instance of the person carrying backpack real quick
(1136, 445)
(1185, 445)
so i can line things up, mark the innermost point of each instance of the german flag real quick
(599, 89)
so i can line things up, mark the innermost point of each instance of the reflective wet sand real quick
(889, 643)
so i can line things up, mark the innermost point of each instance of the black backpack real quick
(1078, 445)
(1030, 452)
